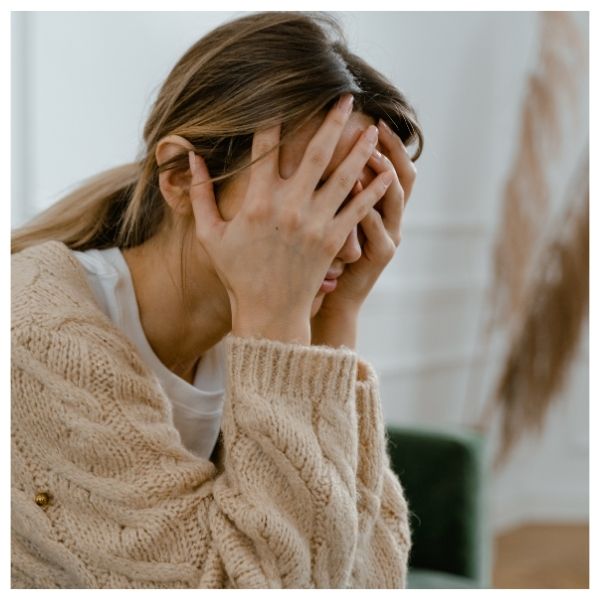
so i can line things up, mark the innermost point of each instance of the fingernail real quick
(376, 154)
(345, 103)
(372, 133)
(387, 177)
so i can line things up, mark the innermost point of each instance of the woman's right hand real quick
(273, 255)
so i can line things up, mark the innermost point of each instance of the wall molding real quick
(441, 361)
(451, 225)
(391, 286)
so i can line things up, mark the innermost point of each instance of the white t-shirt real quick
(197, 408)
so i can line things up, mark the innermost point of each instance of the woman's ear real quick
(174, 184)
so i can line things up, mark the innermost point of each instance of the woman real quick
(214, 286)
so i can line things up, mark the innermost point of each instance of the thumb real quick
(202, 197)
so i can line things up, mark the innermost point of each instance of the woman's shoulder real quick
(48, 283)
(52, 302)
(55, 317)
(51, 258)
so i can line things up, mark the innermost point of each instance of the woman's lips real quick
(328, 285)
(330, 282)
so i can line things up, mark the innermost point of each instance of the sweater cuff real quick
(276, 369)
(372, 437)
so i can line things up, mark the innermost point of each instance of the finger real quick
(356, 210)
(377, 236)
(357, 189)
(202, 197)
(393, 202)
(342, 180)
(265, 156)
(321, 147)
(396, 150)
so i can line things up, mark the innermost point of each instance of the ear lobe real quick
(174, 184)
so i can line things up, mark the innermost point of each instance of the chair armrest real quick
(443, 475)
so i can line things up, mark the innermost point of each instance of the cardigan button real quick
(42, 499)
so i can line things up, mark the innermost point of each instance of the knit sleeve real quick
(384, 538)
(128, 506)
(285, 510)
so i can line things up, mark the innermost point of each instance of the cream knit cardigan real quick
(301, 494)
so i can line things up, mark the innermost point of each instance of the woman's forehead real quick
(292, 150)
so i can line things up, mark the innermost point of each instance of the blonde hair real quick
(244, 75)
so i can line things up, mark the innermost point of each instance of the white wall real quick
(83, 84)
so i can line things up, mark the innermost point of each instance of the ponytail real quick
(88, 217)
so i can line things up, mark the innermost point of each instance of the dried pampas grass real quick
(551, 87)
(539, 294)
(546, 334)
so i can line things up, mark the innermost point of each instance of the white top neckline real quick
(197, 407)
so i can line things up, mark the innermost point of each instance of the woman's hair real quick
(243, 76)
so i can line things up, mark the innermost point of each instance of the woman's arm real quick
(287, 498)
(384, 529)
(130, 507)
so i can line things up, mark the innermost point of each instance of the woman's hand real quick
(273, 255)
(336, 322)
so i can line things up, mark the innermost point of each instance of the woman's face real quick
(292, 150)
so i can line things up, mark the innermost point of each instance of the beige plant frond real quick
(551, 87)
(546, 334)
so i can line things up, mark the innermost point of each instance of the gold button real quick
(42, 499)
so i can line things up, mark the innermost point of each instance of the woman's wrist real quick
(286, 329)
(335, 330)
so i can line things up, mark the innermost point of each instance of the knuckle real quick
(344, 181)
(309, 236)
(338, 119)
(367, 146)
(199, 231)
(389, 164)
(314, 236)
(256, 212)
(389, 252)
(317, 157)
(362, 210)
(330, 244)
(291, 220)
(381, 189)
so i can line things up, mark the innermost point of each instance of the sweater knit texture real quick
(300, 493)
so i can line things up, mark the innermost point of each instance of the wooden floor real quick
(542, 556)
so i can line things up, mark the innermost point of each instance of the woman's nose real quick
(351, 250)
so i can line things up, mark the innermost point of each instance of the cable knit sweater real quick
(104, 495)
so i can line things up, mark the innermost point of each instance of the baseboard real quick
(512, 511)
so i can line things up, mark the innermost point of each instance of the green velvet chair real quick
(444, 478)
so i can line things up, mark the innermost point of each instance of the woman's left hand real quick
(335, 323)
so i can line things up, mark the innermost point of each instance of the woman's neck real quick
(179, 330)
